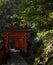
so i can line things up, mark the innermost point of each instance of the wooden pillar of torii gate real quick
(6, 44)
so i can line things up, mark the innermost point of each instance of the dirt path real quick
(16, 59)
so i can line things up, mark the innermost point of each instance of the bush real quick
(47, 36)
(38, 44)
(36, 48)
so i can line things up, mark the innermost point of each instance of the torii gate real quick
(19, 35)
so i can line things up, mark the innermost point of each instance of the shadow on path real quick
(15, 59)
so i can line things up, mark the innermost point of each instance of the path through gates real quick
(16, 59)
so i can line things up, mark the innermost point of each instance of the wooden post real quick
(6, 44)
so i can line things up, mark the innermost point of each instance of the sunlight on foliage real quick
(51, 15)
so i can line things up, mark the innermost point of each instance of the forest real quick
(34, 14)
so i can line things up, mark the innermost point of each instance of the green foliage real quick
(35, 49)
(35, 52)
(38, 11)
(51, 15)
(47, 36)
(2, 2)
(9, 13)
(35, 14)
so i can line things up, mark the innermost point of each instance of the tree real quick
(9, 12)
(37, 12)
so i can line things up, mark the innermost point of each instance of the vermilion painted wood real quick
(19, 36)
(1, 56)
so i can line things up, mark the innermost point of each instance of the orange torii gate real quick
(19, 35)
